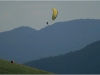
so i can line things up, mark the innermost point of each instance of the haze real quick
(35, 14)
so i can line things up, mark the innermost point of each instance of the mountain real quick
(83, 61)
(8, 68)
(24, 44)
(16, 44)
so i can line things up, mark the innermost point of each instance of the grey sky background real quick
(35, 14)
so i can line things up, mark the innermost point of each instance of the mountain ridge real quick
(25, 43)
(83, 61)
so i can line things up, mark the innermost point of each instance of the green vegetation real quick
(9, 68)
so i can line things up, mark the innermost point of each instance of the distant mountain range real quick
(83, 61)
(25, 44)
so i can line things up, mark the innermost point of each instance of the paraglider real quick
(54, 14)
(47, 22)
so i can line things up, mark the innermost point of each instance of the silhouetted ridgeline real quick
(24, 44)
(83, 61)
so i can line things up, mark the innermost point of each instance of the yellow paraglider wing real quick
(54, 14)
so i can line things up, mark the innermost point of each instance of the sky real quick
(35, 14)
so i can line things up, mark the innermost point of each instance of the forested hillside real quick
(83, 61)
(25, 44)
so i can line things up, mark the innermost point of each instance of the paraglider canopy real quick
(54, 14)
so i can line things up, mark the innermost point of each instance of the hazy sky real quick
(35, 14)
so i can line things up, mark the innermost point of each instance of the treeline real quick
(83, 61)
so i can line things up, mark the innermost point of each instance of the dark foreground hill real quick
(25, 44)
(84, 61)
(9, 68)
